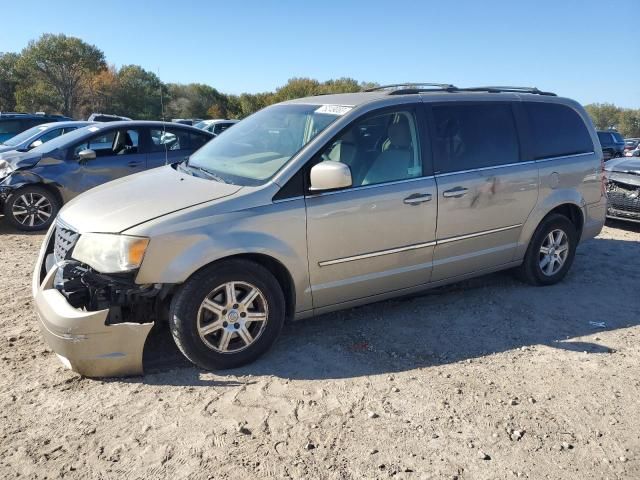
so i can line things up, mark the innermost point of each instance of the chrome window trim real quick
(562, 157)
(478, 234)
(376, 254)
(365, 187)
(480, 169)
(290, 199)
(415, 247)
(515, 164)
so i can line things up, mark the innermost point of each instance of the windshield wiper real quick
(208, 173)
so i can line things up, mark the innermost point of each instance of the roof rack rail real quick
(412, 87)
(500, 89)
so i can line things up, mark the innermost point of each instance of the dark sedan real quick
(35, 184)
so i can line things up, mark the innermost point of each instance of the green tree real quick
(8, 80)
(604, 115)
(55, 70)
(138, 93)
(629, 125)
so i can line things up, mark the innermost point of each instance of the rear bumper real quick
(83, 341)
(594, 219)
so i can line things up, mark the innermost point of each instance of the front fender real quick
(19, 179)
(16, 180)
(275, 230)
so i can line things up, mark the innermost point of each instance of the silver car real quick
(315, 205)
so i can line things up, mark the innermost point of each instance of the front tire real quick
(31, 208)
(227, 315)
(551, 251)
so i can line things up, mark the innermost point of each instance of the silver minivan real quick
(314, 205)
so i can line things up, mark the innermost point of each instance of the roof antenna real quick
(164, 132)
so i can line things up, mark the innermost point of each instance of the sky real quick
(567, 47)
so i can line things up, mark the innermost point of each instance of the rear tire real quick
(227, 315)
(31, 208)
(550, 253)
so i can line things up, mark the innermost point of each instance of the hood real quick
(6, 148)
(20, 159)
(129, 201)
(624, 165)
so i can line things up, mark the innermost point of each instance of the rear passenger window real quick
(474, 136)
(557, 130)
(169, 139)
(197, 140)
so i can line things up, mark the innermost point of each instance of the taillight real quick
(603, 180)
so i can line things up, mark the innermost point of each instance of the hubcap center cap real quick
(233, 316)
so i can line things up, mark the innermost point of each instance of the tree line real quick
(62, 74)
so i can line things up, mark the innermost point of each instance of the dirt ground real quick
(488, 379)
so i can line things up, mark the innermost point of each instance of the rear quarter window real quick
(557, 131)
(11, 126)
(618, 138)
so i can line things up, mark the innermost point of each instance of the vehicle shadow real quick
(622, 225)
(463, 321)
(7, 229)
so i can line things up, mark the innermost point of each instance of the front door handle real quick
(133, 164)
(456, 192)
(417, 198)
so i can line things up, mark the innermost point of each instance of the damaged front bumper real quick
(623, 198)
(84, 340)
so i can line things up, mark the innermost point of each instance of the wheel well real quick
(572, 212)
(280, 272)
(48, 188)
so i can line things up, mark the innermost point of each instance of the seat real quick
(345, 150)
(124, 144)
(395, 162)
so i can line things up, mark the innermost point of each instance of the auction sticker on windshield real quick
(333, 109)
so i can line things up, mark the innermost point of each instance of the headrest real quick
(399, 135)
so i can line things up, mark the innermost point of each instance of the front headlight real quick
(5, 168)
(109, 253)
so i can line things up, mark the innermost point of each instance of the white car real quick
(215, 126)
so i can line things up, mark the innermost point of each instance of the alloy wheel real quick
(32, 209)
(232, 317)
(553, 252)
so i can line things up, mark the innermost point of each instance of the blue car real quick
(35, 184)
(12, 123)
(36, 136)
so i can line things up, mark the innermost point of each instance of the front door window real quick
(379, 149)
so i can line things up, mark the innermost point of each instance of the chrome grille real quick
(624, 197)
(65, 238)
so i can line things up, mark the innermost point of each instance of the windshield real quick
(202, 124)
(26, 135)
(257, 147)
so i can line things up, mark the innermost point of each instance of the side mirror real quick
(87, 154)
(35, 144)
(330, 175)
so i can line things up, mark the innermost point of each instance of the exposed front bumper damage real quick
(623, 198)
(84, 340)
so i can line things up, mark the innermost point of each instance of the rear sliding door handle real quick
(134, 163)
(417, 198)
(456, 192)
